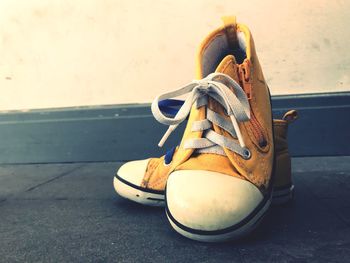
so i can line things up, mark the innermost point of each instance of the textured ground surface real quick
(69, 212)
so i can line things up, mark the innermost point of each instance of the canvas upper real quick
(216, 54)
(257, 132)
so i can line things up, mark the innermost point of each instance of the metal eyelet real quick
(246, 154)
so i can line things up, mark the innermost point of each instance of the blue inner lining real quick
(170, 107)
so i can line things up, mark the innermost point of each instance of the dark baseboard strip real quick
(127, 132)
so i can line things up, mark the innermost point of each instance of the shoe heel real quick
(282, 195)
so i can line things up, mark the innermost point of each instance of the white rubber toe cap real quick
(210, 201)
(134, 171)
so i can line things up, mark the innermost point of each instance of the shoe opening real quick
(219, 47)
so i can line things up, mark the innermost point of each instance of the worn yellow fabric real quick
(229, 21)
(157, 172)
(257, 169)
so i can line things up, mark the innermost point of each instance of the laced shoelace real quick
(235, 103)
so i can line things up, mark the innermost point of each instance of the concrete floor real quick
(69, 212)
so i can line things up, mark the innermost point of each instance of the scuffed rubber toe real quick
(133, 171)
(127, 183)
(210, 206)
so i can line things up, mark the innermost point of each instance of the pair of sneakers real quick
(233, 160)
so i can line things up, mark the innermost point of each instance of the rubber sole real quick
(281, 195)
(138, 194)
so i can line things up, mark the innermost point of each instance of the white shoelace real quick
(235, 103)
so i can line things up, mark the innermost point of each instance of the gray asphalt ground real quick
(70, 213)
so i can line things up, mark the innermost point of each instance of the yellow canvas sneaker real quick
(220, 177)
(132, 179)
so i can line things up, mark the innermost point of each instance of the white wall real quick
(87, 52)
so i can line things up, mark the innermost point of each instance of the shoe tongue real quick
(229, 67)
(208, 161)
